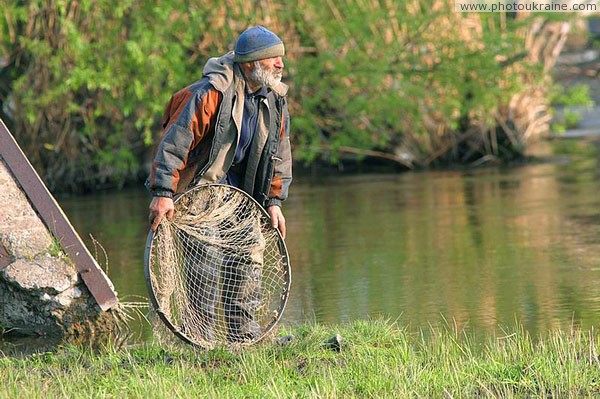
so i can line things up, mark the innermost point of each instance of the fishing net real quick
(218, 273)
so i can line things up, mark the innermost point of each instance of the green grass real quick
(379, 359)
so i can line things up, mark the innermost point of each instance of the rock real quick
(51, 275)
(334, 343)
(41, 292)
(284, 340)
(57, 304)
(22, 233)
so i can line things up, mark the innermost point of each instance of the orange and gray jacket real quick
(201, 130)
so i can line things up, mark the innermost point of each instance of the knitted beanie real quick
(257, 43)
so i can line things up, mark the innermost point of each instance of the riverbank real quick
(377, 359)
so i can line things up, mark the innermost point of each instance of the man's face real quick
(267, 72)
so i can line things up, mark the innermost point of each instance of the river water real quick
(482, 250)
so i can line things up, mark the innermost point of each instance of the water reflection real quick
(483, 249)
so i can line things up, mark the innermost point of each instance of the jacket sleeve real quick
(282, 170)
(188, 119)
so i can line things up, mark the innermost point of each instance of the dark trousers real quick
(229, 274)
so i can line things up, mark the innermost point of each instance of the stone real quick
(44, 296)
(47, 274)
(41, 292)
(334, 343)
(22, 232)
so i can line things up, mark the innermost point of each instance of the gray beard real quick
(261, 76)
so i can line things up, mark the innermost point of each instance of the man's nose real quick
(279, 63)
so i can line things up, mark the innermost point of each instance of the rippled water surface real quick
(482, 250)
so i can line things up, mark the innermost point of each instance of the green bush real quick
(86, 82)
(570, 100)
(401, 77)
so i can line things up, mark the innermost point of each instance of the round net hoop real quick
(218, 274)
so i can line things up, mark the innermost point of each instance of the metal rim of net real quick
(284, 264)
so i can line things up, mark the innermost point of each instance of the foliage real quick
(570, 100)
(378, 359)
(401, 83)
(56, 250)
(85, 82)
(574, 95)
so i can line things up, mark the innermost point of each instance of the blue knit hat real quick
(257, 43)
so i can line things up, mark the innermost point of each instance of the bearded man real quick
(230, 127)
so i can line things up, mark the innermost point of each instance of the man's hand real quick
(277, 219)
(158, 208)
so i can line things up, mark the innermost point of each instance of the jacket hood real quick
(222, 72)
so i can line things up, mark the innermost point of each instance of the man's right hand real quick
(158, 208)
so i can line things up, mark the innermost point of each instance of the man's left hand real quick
(277, 219)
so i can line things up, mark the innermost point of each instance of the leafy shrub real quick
(85, 83)
(570, 100)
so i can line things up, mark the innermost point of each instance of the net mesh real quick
(218, 271)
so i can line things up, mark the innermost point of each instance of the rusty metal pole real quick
(56, 221)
